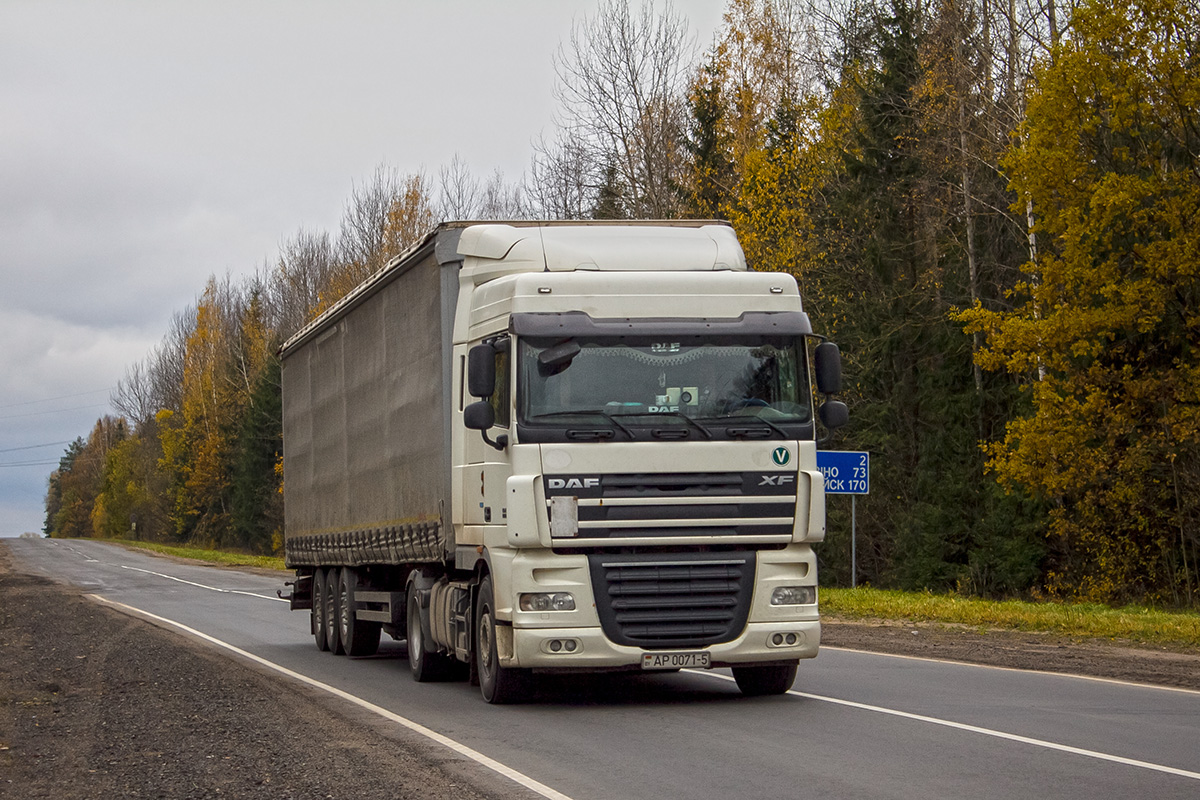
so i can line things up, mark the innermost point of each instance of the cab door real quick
(486, 467)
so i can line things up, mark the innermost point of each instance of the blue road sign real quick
(845, 471)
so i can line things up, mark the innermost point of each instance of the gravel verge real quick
(98, 704)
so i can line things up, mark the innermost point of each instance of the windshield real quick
(662, 383)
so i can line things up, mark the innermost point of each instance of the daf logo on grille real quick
(781, 456)
(572, 483)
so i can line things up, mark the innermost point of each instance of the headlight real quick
(548, 601)
(794, 596)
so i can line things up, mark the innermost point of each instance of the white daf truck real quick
(549, 447)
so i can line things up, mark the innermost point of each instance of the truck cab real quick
(643, 490)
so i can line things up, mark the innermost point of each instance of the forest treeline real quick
(993, 206)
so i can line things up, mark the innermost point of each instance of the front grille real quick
(682, 600)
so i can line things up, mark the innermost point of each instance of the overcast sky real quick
(147, 145)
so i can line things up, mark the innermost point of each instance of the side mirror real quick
(479, 416)
(481, 372)
(833, 414)
(828, 363)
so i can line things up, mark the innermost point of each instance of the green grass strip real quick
(210, 556)
(1085, 620)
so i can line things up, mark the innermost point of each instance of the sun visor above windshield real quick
(580, 324)
(657, 248)
(496, 249)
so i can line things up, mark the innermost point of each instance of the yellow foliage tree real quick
(1109, 159)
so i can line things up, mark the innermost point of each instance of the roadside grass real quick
(1079, 620)
(211, 556)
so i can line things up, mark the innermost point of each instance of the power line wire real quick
(31, 447)
(55, 411)
(52, 399)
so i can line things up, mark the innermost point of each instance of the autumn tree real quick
(1108, 327)
(71, 502)
(857, 189)
(131, 502)
(758, 66)
(197, 442)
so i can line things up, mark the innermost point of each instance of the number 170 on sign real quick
(845, 471)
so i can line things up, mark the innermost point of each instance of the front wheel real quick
(765, 680)
(499, 685)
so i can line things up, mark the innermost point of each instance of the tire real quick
(765, 680)
(359, 637)
(320, 597)
(499, 685)
(333, 611)
(426, 665)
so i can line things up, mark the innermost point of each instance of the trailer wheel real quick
(765, 680)
(359, 637)
(427, 665)
(333, 611)
(498, 684)
(320, 598)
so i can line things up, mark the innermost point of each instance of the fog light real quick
(785, 639)
(560, 647)
(548, 601)
(794, 596)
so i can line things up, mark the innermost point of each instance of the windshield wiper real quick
(756, 419)
(585, 411)
(707, 433)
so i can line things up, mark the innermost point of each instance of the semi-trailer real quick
(537, 447)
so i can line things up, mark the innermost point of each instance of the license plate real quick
(696, 660)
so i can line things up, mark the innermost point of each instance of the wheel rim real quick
(486, 649)
(416, 647)
(330, 622)
(344, 607)
(319, 605)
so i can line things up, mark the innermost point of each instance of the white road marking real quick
(203, 586)
(1134, 684)
(88, 559)
(1012, 737)
(416, 727)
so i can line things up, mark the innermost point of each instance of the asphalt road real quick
(856, 724)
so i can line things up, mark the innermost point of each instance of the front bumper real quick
(531, 648)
